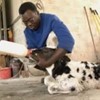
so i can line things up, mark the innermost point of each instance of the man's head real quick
(30, 15)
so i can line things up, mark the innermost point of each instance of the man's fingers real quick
(30, 51)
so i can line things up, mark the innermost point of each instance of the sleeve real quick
(28, 42)
(65, 39)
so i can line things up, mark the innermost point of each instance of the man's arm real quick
(65, 42)
(60, 52)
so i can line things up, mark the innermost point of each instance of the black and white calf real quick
(67, 76)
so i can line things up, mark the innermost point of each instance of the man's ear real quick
(36, 12)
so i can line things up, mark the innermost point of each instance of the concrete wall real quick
(0, 2)
(72, 13)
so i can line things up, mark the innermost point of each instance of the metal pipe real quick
(0, 25)
(6, 29)
(4, 19)
(95, 20)
(16, 20)
(97, 17)
(97, 14)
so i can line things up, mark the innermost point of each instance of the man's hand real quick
(41, 61)
(30, 51)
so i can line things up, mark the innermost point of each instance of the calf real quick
(67, 76)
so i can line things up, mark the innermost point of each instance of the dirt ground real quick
(33, 89)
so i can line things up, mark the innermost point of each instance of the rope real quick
(18, 72)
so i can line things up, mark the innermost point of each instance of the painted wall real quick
(0, 1)
(72, 13)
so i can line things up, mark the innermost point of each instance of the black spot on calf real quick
(84, 72)
(86, 64)
(72, 89)
(92, 63)
(83, 78)
(78, 70)
(70, 76)
(97, 72)
(60, 68)
(90, 76)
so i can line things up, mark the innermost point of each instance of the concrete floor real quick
(33, 89)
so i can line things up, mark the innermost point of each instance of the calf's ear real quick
(66, 58)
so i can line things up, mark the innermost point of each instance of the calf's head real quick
(46, 53)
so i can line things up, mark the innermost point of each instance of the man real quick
(38, 27)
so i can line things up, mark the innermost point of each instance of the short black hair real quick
(27, 6)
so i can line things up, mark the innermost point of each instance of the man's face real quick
(31, 19)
